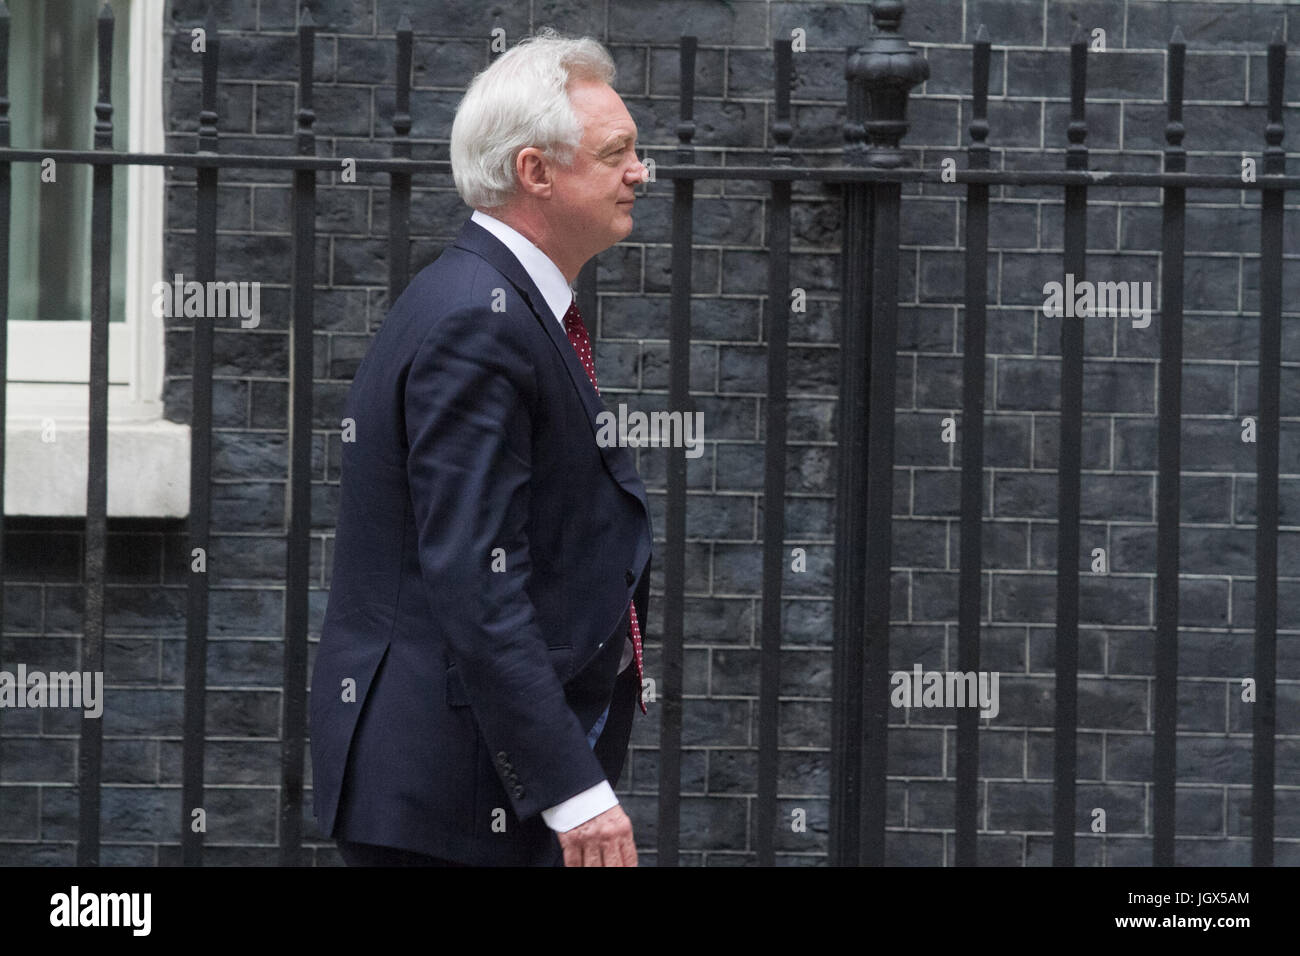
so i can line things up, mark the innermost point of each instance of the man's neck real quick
(536, 230)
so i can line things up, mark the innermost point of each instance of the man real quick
(480, 658)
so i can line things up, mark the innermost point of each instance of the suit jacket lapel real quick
(474, 238)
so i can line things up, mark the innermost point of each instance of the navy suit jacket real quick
(486, 551)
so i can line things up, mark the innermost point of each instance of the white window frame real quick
(48, 363)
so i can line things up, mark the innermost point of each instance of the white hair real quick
(521, 100)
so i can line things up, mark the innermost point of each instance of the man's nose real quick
(639, 173)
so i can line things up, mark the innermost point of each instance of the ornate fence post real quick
(880, 74)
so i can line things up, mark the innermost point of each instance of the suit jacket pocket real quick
(456, 695)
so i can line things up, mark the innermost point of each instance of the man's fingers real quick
(616, 854)
(605, 840)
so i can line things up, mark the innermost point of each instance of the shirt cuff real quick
(581, 808)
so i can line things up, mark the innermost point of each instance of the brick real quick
(732, 771)
(330, 16)
(460, 18)
(665, 70)
(742, 23)
(913, 849)
(802, 724)
(1205, 25)
(644, 765)
(1042, 649)
(149, 566)
(915, 752)
(242, 815)
(237, 15)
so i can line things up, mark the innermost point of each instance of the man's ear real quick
(533, 170)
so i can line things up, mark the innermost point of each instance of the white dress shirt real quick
(550, 282)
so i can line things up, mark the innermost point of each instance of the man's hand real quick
(604, 840)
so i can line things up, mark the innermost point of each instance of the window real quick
(53, 85)
(53, 89)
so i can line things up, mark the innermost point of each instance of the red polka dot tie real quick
(581, 342)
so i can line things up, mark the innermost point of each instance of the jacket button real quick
(518, 792)
(630, 577)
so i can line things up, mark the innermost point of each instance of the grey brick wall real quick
(1028, 111)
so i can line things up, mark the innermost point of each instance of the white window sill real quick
(148, 469)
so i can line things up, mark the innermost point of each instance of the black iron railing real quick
(880, 74)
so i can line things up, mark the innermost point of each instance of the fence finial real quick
(4, 71)
(887, 14)
(979, 124)
(306, 138)
(885, 69)
(1175, 154)
(1077, 131)
(104, 104)
(1274, 131)
(686, 99)
(402, 91)
(782, 129)
(207, 136)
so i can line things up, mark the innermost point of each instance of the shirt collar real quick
(546, 275)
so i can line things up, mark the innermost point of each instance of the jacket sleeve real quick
(468, 396)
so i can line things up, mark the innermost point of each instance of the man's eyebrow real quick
(618, 140)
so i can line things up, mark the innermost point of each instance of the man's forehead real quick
(606, 117)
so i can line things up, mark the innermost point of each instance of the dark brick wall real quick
(1028, 110)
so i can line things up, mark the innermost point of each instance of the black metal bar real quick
(90, 750)
(972, 460)
(992, 177)
(887, 67)
(828, 174)
(679, 357)
(778, 334)
(5, 172)
(1065, 757)
(849, 597)
(584, 292)
(225, 161)
(399, 190)
(1164, 770)
(886, 204)
(1263, 756)
(196, 618)
(298, 495)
